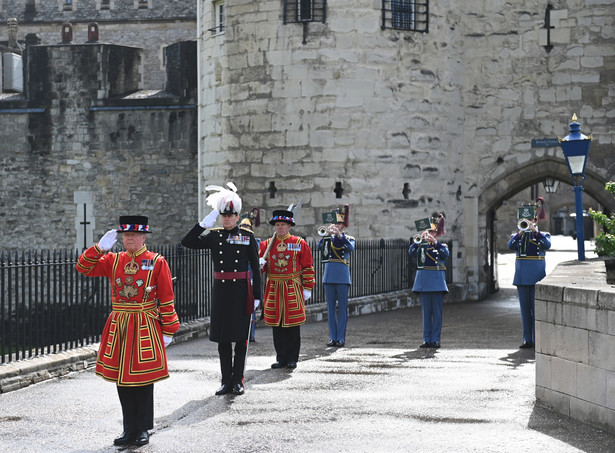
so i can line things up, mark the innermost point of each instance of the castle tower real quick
(397, 110)
(331, 109)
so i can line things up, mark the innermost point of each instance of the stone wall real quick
(405, 123)
(84, 148)
(575, 343)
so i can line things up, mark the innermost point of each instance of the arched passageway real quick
(514, 181)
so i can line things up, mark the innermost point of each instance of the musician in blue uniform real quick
(335, 248)
(530, 245)
(430, 279)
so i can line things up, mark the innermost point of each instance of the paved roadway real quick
(378, 394)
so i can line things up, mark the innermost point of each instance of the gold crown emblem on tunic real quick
(131, 268)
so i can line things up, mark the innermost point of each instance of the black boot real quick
(125, 439)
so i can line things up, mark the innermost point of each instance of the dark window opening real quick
(30, 7)
(406, 191)
(411, 15)
(296, 11)
(272, 189)
(339, 190)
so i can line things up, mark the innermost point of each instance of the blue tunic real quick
(336, 281)
(431, 272)
(336, 268)
(530, 265)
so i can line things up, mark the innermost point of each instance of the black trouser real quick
(232, 370)
(287, 343)
(137, 407)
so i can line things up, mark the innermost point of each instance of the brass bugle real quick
(417, 239)
(323, 230)
(523, 224)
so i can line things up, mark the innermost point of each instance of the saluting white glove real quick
(108, 240)
(306, 294)
(167, 340)
(210, 219)
(256, 303)
(262, 262)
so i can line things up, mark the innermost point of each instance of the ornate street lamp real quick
(576, 150)
(550, 185)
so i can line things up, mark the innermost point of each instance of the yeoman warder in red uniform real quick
(142, 322)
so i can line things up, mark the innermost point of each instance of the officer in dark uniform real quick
(234, 295)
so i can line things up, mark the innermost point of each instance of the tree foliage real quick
(605, 240)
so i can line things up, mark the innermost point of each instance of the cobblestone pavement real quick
(379, 393)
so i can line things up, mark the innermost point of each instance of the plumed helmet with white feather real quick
(224, 200)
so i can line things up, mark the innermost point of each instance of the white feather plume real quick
(221, 198)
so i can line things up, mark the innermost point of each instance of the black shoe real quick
(340, 344)
(142, 438)
(277, 365)
(425, 345)
(291, 365)
(435, 345)
(252, 340)
(526, 345)
(332, 343)
(226, 388)
(124, 439)
(238, 389)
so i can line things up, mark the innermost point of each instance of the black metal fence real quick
(46, 306)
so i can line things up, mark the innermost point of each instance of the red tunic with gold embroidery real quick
(132, 351)
(289, 271)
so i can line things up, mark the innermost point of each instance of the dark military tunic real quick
(231, 252)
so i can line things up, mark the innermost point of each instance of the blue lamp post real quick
(576, 150)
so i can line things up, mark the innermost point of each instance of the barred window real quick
(304, 11)
(219, 17)
(412, 15)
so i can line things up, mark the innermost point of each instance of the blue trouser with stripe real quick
(337, 321)
(526, 302)
(431, 306)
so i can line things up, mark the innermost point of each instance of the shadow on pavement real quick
(417, 354)
(518, 358)
(571, 432)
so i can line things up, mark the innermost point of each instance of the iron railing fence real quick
(46, 306)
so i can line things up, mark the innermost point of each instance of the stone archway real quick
(509, 183)
(513, 181)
